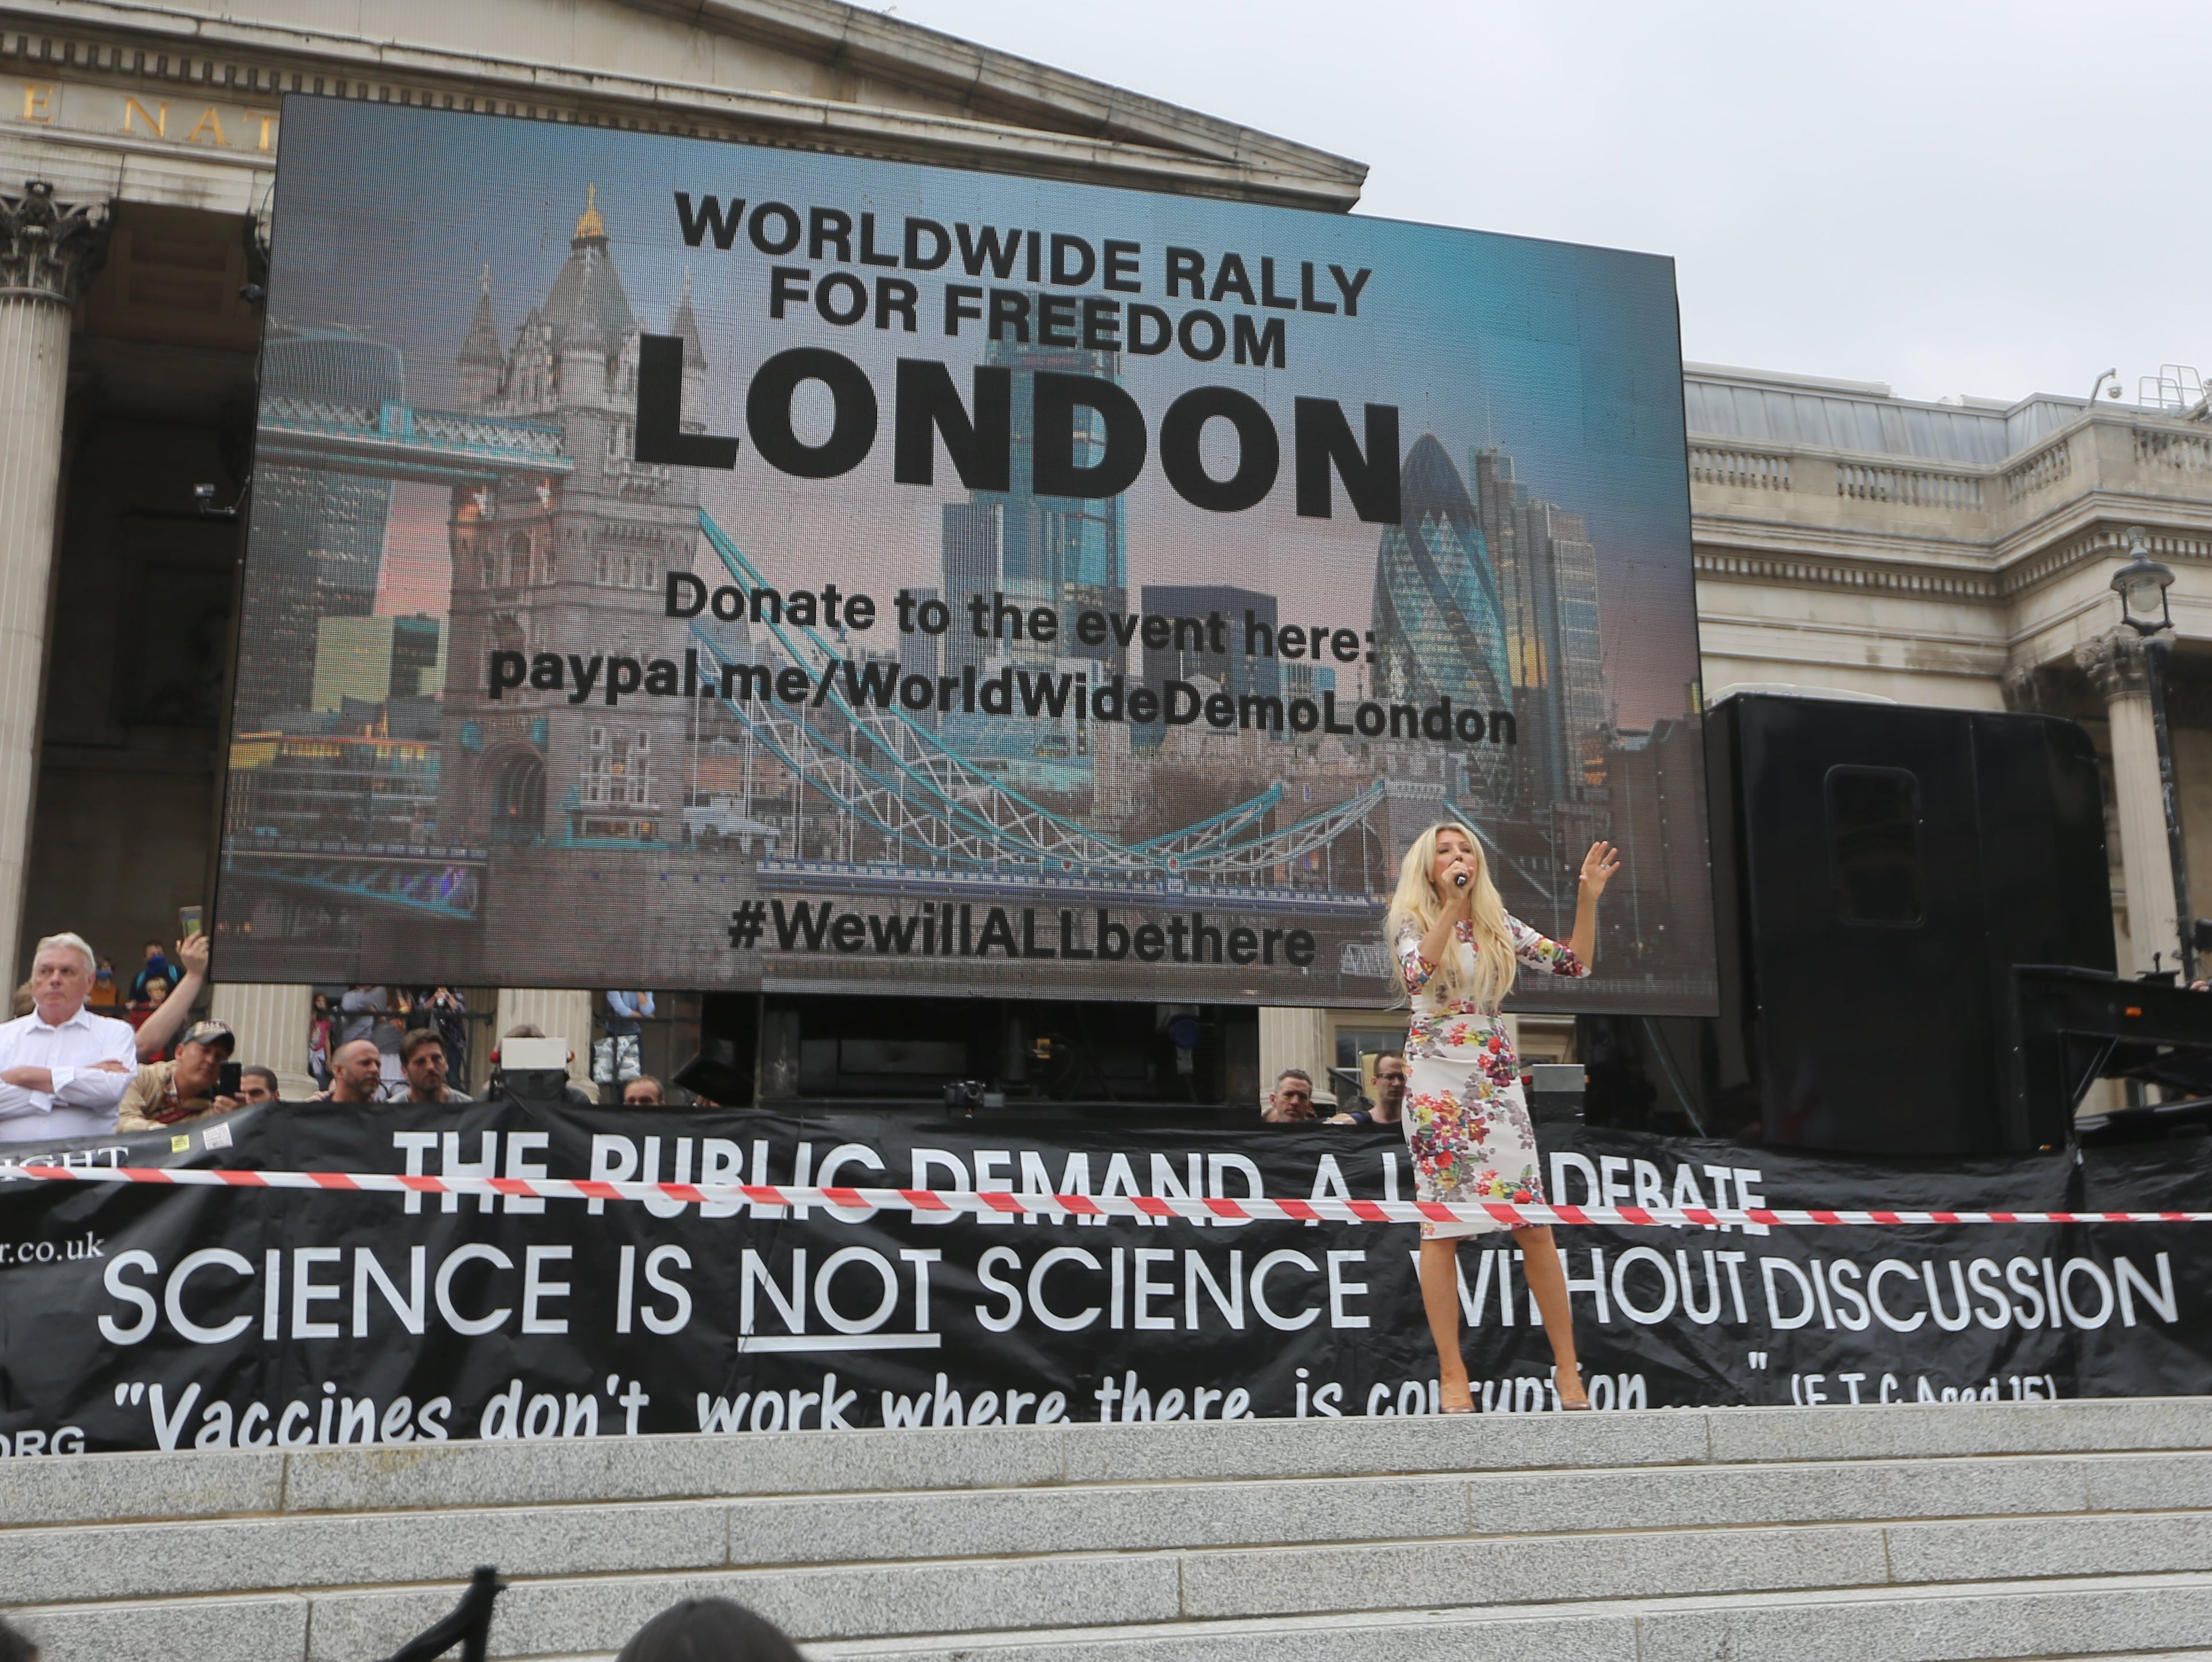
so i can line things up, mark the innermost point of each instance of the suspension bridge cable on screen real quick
(1499, 854)
(927, 799)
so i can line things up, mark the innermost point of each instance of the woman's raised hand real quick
(1598, 867)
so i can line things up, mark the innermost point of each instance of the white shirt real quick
(83, 1100)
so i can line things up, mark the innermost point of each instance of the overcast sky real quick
(1950, 197)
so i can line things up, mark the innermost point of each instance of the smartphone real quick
(228, 1077)
(190, 920)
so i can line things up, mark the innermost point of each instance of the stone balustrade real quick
(2104, 456)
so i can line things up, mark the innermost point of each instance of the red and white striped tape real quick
(1243, 1210)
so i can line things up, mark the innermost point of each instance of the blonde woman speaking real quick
(1466, 1122)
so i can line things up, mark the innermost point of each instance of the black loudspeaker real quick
(1880, 872)
(729, 1044)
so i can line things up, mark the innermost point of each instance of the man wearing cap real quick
(62, 1068)
(163, 1094)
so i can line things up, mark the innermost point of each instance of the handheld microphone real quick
(1459, 880)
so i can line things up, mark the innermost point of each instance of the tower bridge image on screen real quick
(380, 786)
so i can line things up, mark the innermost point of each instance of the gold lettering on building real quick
(67, 106)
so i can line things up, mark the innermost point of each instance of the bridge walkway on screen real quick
(961, 826)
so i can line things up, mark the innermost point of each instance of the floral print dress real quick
(1466, 1120)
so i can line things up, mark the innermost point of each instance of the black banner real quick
(144, 1317)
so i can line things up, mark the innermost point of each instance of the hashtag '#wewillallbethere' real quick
(746, 924)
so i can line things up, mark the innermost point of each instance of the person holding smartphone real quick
(201, 1080)
(159, 1027)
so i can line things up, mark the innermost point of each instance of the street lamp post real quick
(2141, 585)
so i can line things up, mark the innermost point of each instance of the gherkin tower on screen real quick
(1439, 627)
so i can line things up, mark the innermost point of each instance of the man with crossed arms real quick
(63, 1069)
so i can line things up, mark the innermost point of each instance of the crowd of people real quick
(69, 1068)
(394, 1022)
(66, 1070)
(1292, 1101)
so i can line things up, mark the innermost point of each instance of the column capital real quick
(49, 250)
(2117, 664)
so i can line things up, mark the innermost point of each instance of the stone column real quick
(272, 1025)
(2116, 664)
(48, 249)
(562, 1014)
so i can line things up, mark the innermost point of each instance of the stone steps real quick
(2045, 1501)
(1913, 1533)
(2008, 1621)
(1250, 1575)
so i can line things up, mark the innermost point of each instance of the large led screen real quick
(688, 564)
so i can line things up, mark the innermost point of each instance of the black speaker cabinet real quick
(1879, 871)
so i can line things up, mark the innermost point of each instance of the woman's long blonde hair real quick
(1485, 982)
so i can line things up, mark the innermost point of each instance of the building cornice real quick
(1750, 563)
(1817, 542)
(229, 58)
(1729, 547)
(1731, 556)
(1000, 86)
(2104, 541)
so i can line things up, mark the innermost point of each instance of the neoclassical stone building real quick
(1962, 554)
(1845, 539)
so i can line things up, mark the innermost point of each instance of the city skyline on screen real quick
(1504, 598)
